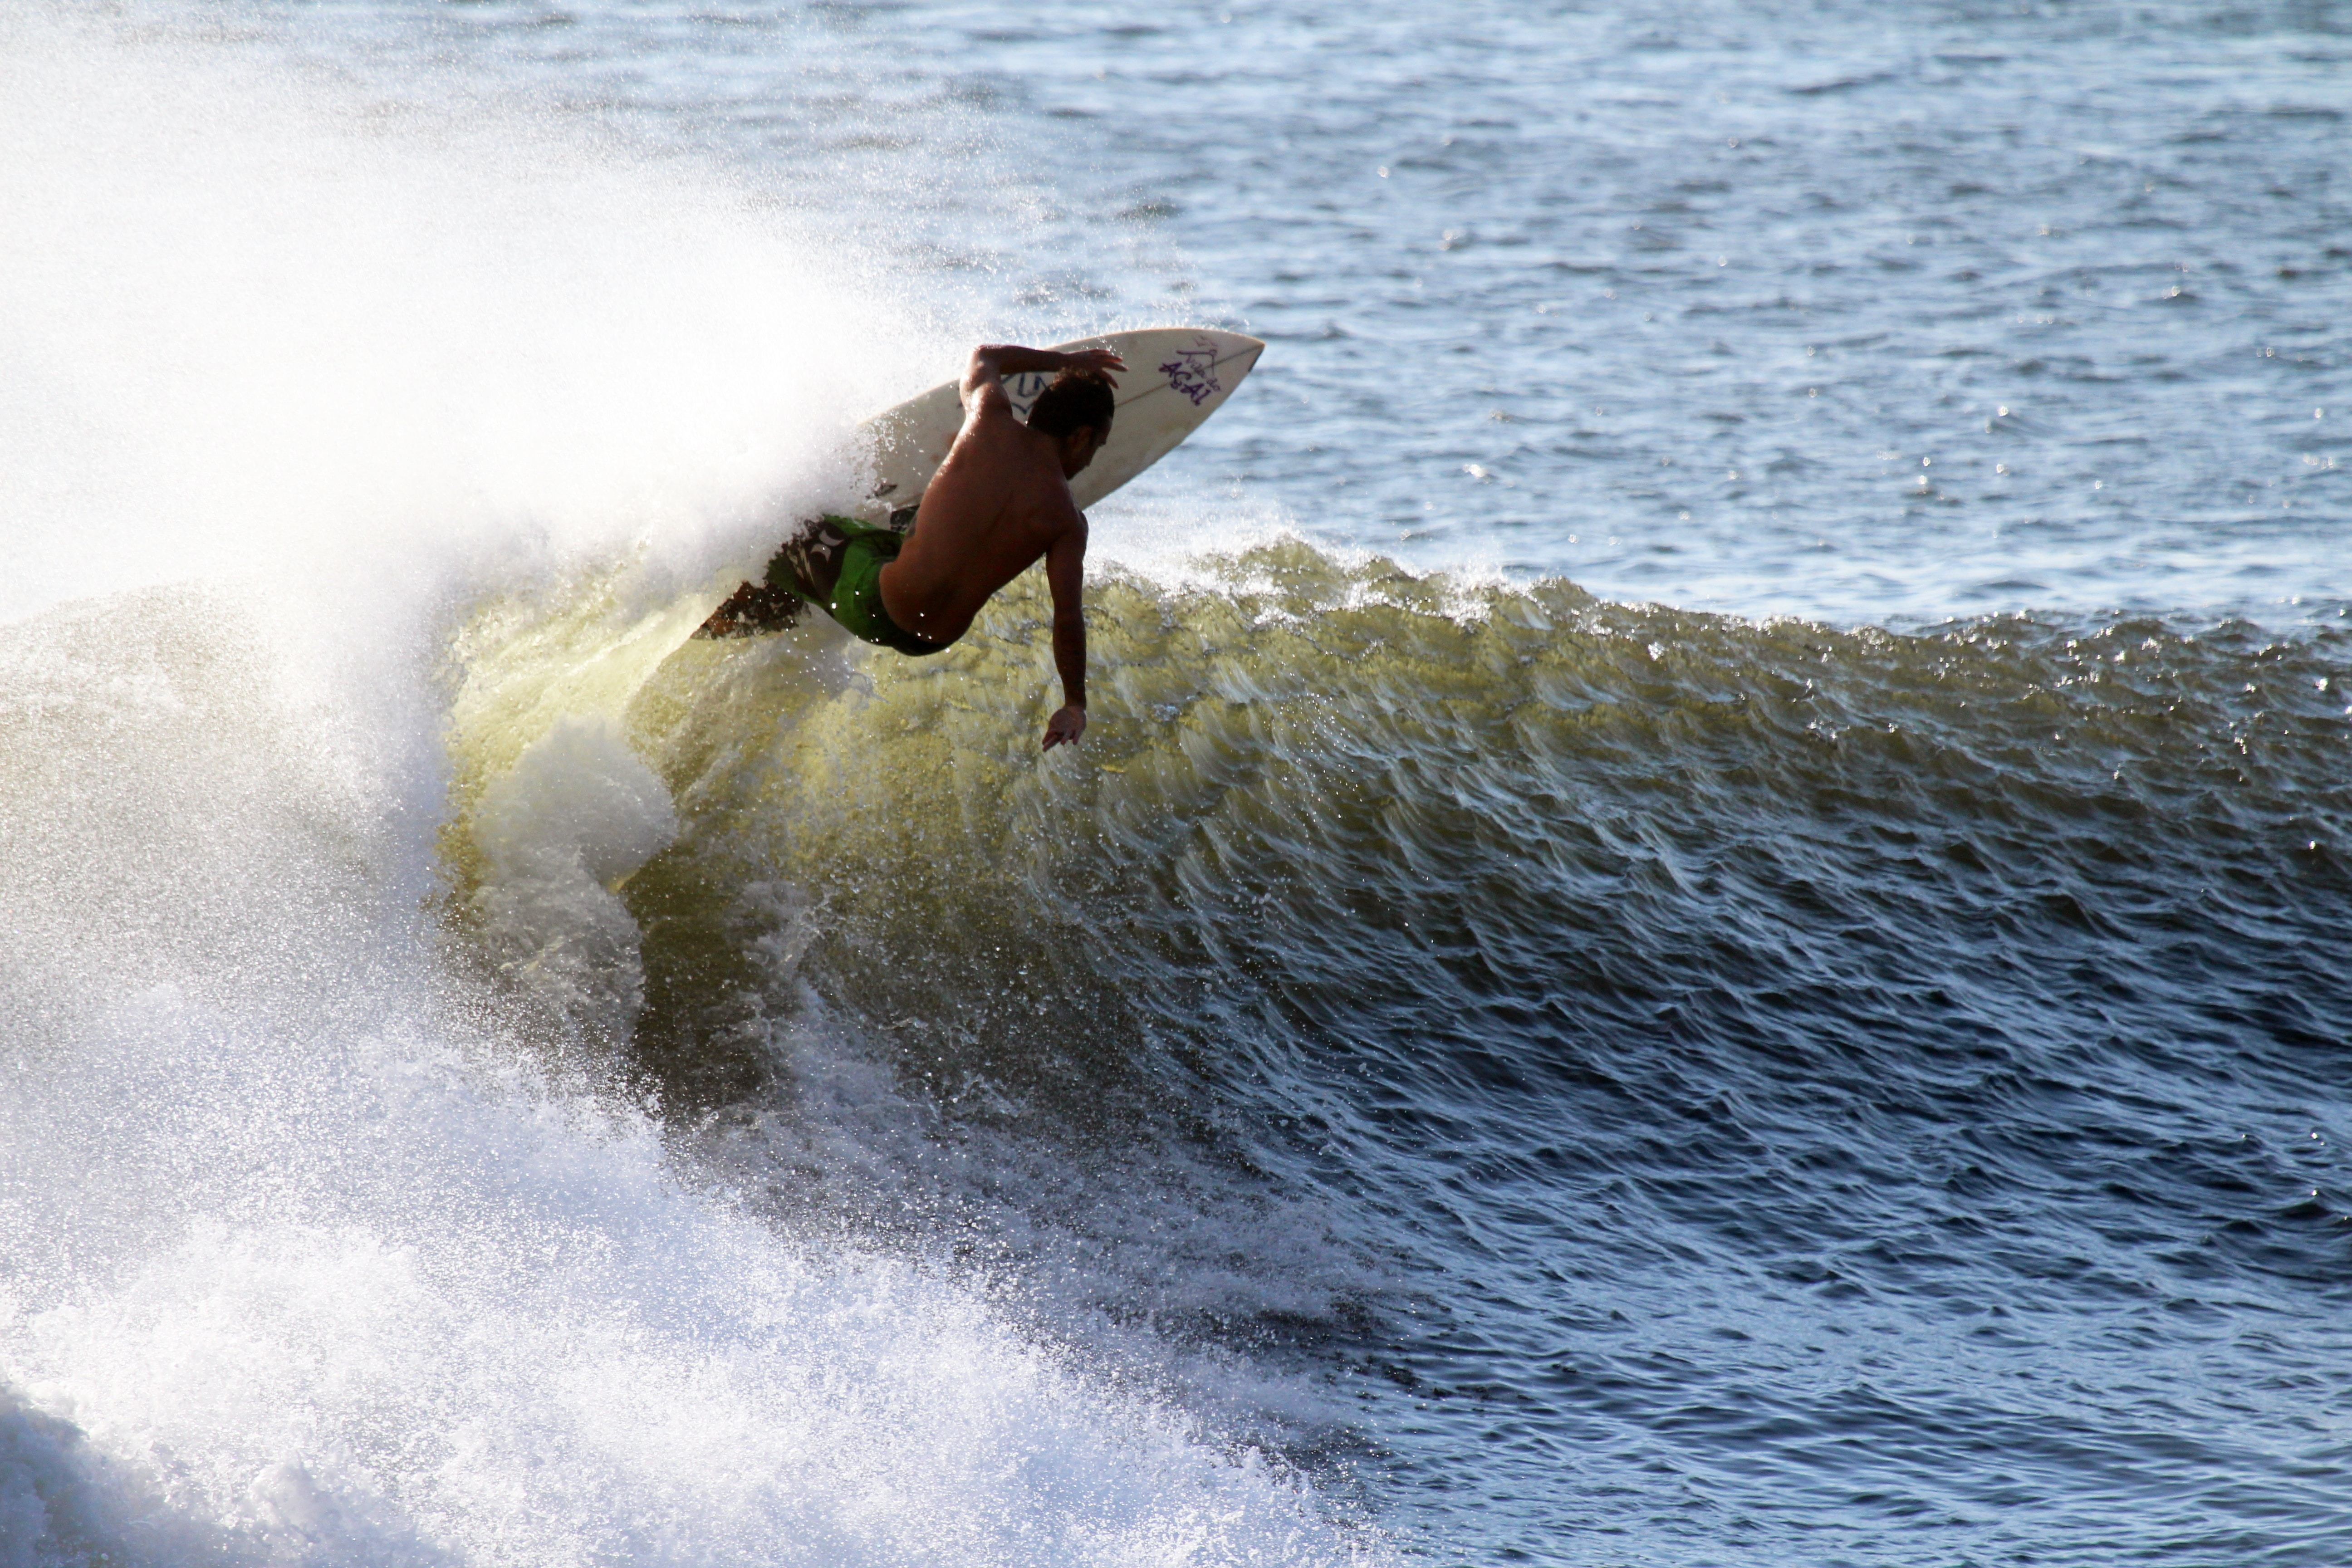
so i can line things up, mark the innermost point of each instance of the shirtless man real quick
(999, 501)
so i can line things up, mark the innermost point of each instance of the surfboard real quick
(1175, 378)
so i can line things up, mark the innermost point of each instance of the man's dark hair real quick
(1076, 398)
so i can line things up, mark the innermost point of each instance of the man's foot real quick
(750, 610)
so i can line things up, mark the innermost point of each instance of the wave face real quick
(1596, 1044)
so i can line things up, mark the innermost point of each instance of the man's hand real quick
(1102, 362)
(1065, 727)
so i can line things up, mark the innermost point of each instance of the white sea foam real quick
(578, 812)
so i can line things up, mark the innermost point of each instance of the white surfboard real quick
(1175, 378)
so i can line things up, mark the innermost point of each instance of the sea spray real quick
(311, 1256)
(577, 813)
(263, 324)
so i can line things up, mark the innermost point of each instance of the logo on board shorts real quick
(1193, 371)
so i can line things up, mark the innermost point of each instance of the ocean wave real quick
(1368, 882)
(1288, 739)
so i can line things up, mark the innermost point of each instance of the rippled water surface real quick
(1704, 920)
(1861, 311)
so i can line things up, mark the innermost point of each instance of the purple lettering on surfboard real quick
(1193, 371)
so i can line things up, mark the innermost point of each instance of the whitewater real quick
(1709, 928)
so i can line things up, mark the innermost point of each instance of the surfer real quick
(999, 501)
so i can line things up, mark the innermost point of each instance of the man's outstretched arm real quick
(1065, 567)
(992, 362)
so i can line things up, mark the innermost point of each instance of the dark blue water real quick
(1703, 922)
(1791, 1095)
(1861, 311)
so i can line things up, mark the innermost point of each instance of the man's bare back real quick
(999, 501)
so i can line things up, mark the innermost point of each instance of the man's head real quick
(1075, 412)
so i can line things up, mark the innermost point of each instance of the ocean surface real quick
(1706, 918)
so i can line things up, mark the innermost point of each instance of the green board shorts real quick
(856, 551)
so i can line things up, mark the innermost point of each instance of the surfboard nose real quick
(1237, 349)
(1203, 364)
